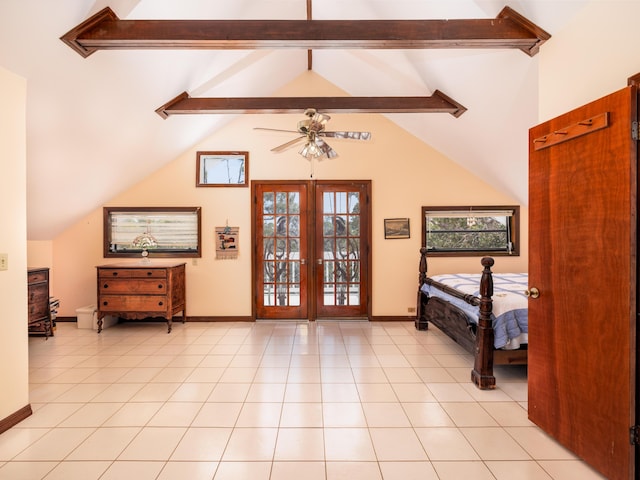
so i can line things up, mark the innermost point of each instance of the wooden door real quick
(280, 219)
(330, 219)
(342, 236)
(582, 259)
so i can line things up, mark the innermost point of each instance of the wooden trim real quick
(393, 318)
(156, 253)
(527, 25)
(634, 80)
(104, 31)
(583, 127)
(196, 319)
(15, 418)
(183, 104)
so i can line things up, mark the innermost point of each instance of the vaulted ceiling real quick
(90, 120)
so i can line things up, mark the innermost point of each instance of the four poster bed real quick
(484, 313)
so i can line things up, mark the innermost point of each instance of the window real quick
(160, 231)
(471, 231)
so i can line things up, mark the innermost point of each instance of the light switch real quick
(4, 261)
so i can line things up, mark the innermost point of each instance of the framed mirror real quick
(222, 169)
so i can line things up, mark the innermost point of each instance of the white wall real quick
(405, 173)
(591, 57)
(14, 360)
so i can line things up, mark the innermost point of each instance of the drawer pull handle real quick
(149, 274)
(105, 303)
(106, 285)
(115, 274)
(159, 285)
(160, 304)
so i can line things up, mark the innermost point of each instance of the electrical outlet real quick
(4, 261)
(411, 310)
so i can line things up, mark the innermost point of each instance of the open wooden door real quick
(582, 326)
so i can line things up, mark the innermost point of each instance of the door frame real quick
(311, 266)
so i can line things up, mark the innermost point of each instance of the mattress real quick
(509, 313)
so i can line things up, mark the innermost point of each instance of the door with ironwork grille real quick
(311, 249)
(342, 249)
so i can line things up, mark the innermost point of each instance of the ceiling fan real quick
(313, 132)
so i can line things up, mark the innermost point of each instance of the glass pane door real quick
(341, 256)
(281, 246)
(334, 282)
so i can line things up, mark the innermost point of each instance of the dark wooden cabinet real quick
(136, 291)
(39, 314)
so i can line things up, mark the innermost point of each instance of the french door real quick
(311, 249)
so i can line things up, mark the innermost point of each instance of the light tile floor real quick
(273, 400)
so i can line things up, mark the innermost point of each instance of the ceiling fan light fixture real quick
(311, 151)
(312, 132)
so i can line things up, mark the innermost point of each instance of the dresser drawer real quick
(132, 273)
(37, 276)
(133, 286)
(38, 294)
(37, 311)
(132, 303)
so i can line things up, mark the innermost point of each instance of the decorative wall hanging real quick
(227, 244)
(396, 228)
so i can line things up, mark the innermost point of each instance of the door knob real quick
(533, 292)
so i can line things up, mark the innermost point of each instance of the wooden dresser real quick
(136, 291)
(39, 317)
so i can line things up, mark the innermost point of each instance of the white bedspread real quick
(510, 315)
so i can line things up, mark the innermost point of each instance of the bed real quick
(485, 313)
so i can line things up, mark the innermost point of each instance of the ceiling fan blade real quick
(290, 143)
(325, 148)
(275, 130)
(348, 135)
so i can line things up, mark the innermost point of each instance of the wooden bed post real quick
(482, 374)
(421, 323)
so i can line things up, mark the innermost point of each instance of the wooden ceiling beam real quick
(183, 104)
(105, 31)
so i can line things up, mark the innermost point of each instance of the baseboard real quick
(218, 319)
(15, 418)
(177, 319)
(376, 318)
(66, 319)
(393, 318)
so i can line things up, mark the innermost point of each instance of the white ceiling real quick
(92, 130)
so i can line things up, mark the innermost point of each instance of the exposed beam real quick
(104, 31)
(183, 104)
(309, 52)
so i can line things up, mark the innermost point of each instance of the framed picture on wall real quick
(396, 228)
(222, 169)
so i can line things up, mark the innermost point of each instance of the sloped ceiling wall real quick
(92, 130)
